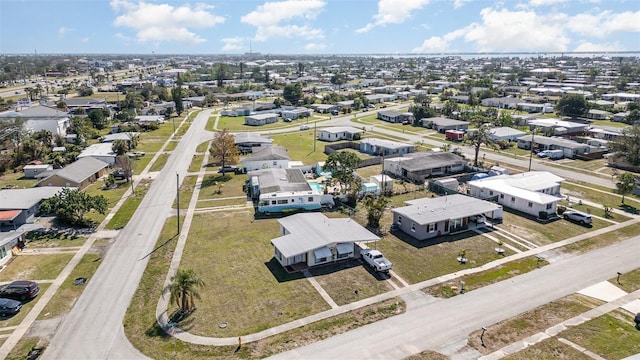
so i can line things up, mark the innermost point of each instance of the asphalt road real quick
(445, 323)
(93, 328)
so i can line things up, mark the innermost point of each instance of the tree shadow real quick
(209, 181)
(630, 209)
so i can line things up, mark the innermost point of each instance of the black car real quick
(637, 318)
(229, 168)
(20, 290)
(9, 307)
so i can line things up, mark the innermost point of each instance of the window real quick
(321, 260)
(273, 202)
(513, 198)
(275, 163)
(549, 206)
(285, 201)
(413, 227)
(310, 199)
(400, 220)
(431, 227)
(530, 204)
(491, 192)
(342, 256)
(501, 196)
(3, 252)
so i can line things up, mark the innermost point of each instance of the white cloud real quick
(457, 4)
(603, 24)
(84, 40)
(62, 31)
(393, 12)
(164, 22)
(438, 44)
(537, 3)
(232, 44)
(274, 19)
(315, 46)
(586, 46)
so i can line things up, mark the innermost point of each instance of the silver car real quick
(582, 218)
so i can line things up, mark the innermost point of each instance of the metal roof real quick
(251, 137)
(387, 144)
(274, 152)
(339, 129)
(310, 231)
(80, 169)
(280, 180)
(20, 199)
(432, 210)
(430, 160)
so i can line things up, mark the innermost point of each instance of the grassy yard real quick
(68, 293)
(543, 234)
(485, 278)
(253, 280)
(112, 195)
(597, 211)
(236, 123)
(629, 282)
(186, 190)
(599, 197)
(603, 240)
(299, 145)
(35, 267)
(417, 261)
(547, 349)
(22, 348)
(16, 181)
(26, 308)
(531, 322)
(152, 145)
(367, 172)
(171, 145)
(342, 280)
(220, 202)
(130, 205)
(196, 163)
(160, 162)
(611, 335)
(49, 239)
(203, 147)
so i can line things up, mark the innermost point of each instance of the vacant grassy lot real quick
(68, 293)
(546, 350)
(531, 322)
(186, 191)
(35, 267)
(160, 162)
(130, 205)
(475, 281)
(47, 239)
(218, 186)
(112, 195)
(253, 280)
(342, 280)
(299, 145)
(417, 261)
(599, 197)
(612, 335)
(16, 181)
(26, 308)
(196, 163)
(542, 234)
(603, 240)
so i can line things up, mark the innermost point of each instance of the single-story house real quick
(620, 116)
(265, 157)
(37, 118)
(261, 119)
(10, 242)
(462, 99)
(570, 148)
(20, 206)
(246, 141)
(296, 113)
(381, 147)
(596, 114)
(148, 119)
(395, 116)
(605, 132)
(535, 108)
(560, 127)
(81, 173)
(31, 171)
(417, 167)
(505, 133)
(531, 192)
(427, 218)
(621, 96)
(100, 151)
(337, 133)
(501, 102)
(442, 124)
(279, 190)
(312, 239)
(323, 108)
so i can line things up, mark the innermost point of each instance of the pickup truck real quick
(375, 259)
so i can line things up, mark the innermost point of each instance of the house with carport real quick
(505, 133)
(337, 133)
(381, 147)
(428, 218)
(569, 148)
(80, 174)
(20, 206)
(532, 192)
(266, 157)
(312, 239)
(395, 116)
(441, 124)
(248, 141)
(417, 167)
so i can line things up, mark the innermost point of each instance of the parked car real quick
(637, 318)
(9, 307)
(136, 154)
(304, 127)
(20, 290)
(335, 112)
(543, 153)
(118, 174)
(582, 218)
(286, 120)
(406, 122)
(376, 260)
(228, 168)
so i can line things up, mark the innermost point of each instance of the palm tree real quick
(184, 288)
(120, 147)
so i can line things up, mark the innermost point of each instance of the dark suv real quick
(20, 290)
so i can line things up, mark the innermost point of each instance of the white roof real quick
(15, 199)
(388, 144)
(262, 116)
(100, 149)
(432, 210)
(310, 231)
(339, 129)
(524, 185)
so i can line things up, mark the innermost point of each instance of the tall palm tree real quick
(184, 288)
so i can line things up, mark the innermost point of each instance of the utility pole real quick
(315, 134)
(533, 134)
(178, 200)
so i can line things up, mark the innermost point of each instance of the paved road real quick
(441, 325)
(93, 328)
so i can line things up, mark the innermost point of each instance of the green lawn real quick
(160, 162)
(68, 293)
(196, 163)
(35, 267)
(299, 145)
(16, 181)
(217, 186)
(547, 349)
(221, 202)
(138, 164)
(203, 147)
(186, 190)
(611, 335)
(629, 282)
(130, 205)
(42, 239)
(150, 146)
(597, 211)
(603, 240)
(599, 197)
(112, 195)
(253, 280)
(171, 145)
(342, 280)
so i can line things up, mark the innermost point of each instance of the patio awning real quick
(322, 252)
(344, 248)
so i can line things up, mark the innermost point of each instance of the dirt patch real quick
(44, 329)
(428, 355)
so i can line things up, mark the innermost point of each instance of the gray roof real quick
(440, 121)
(432, 210)
(387, 144)
(80, 170)
(37, 111)
(280, 180)
(117, 136)
(19, 199)
(275, 152)
(561, 142)
(506, 131)
(310, 231)
(389, 113)
(251, 137)
(430, 160)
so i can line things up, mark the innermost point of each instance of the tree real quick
(176, 95)
(633, 118)
(626, 183)
(98, 119)
(342, 167)
(375, 206)
(71, 205)
(573, 105)
(292, 93)
(627, 146)
(184, 288)
(120, 147)
(85, 91)
(338, 79)
(223, 149)
(124, 163)
(478, 138)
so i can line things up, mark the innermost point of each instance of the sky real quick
(317, 26)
